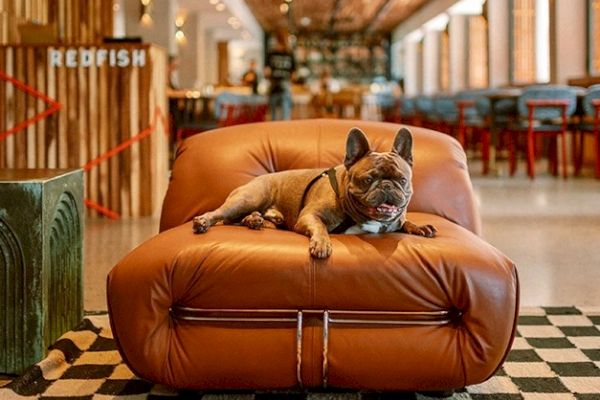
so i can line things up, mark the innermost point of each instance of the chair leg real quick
(597, 152)
(485, 151)
(563, 149)
(552, 151)
(462, 137)
(512, 162)
(577, 153)
(530, 154)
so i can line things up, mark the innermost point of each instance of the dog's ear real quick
(357, 146)
(403, 145)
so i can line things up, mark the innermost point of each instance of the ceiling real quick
(333, 16)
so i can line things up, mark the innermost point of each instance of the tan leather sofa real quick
(241, 309)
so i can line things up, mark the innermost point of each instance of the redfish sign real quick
(82, 57)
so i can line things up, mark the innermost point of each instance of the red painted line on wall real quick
(54, 105)
(101, 209)
(157, 117)
(119, 148)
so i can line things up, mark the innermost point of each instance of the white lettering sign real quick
(73, 58)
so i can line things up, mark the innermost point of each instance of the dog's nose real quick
(386, 186)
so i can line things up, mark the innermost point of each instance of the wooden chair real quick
(589, 124)
(544, 111)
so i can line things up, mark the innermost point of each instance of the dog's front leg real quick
(419, 230)
(313, 227)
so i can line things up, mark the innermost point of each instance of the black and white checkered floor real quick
(556, 355)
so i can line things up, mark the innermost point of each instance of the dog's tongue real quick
(386, 209)
(389, 208)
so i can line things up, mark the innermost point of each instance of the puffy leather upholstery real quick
(211, 165)
(234, 268)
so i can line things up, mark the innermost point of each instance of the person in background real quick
(250, 77)
(279, 69)
(172, 74)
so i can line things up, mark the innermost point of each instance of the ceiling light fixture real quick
(213, 2)
(220, 7)
(284, 8)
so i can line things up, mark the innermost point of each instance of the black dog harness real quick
(330, 173)
(332, 180)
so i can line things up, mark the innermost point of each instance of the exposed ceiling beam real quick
(334, 12)
(383, 9)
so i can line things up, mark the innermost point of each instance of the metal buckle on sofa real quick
(349, 317)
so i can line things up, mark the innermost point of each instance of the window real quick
(530, 37)
(593, 37)
(478, 52)
(444, 61)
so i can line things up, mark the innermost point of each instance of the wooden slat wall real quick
(74, 21)
(101, 107)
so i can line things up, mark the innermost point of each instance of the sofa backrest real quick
(210, 165)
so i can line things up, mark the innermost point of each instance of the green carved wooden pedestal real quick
(41, 285)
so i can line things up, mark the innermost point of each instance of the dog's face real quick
(379, 185)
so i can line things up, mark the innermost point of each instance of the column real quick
(498, 42)
(569, 55)
(431, 61)
(411, 64)
(188, 53)
(458, 52)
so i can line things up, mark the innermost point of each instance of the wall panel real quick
(72, 21)
(101, 107)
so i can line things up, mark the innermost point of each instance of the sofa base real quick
(327, 319)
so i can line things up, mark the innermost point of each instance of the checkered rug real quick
(556, 355)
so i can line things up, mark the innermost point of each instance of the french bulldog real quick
(369, 192)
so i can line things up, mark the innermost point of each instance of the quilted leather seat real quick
(241, 309)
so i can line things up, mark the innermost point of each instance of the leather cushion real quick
(232, 267)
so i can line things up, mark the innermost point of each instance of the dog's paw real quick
(254, 220)
(200, 224)
(274, 215)
(428, 231)
(320, 248)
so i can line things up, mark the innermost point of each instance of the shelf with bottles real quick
(356, 58)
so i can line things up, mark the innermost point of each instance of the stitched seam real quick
(515, 322)
(462, 335)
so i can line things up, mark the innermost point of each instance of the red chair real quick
(589, 124)
(230, 114)
(479, 132)
(544, 112)
(241, 113)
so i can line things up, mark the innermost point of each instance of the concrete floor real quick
(550, 227)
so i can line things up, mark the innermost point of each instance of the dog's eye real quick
(403, 181)
(368, 180)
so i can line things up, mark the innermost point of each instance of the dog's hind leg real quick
(274, 216)
(254, 220)
(240, 203)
